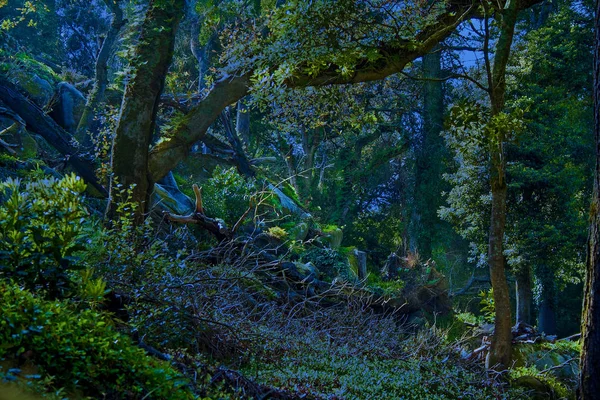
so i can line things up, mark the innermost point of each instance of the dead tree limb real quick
(215, 226)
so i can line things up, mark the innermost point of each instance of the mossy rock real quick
(307, 269)
(299, 231)
(28, 148)
(38, 89)
(332, 236)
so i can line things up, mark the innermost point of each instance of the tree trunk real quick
(96, 96)
(501, 347)
(361, 258)
(589, 384)
(166, 155)
(140, 103)
(429, 159)
(547, 304)
(241, 159)
(500, 352)
(524, 295)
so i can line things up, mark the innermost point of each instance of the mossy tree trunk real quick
(500, 352)
(429, 159)
(192, 128)
(589, 385)
(140, 103)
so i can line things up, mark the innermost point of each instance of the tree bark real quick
(589, 384)
(547, 304)
(96, 96)
(429, 159)
(140, 103)
(501, 347)
(524, 295)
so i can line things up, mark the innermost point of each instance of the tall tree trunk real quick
(96, 96)
(547, 300)
(310, 142)
(501, 348)
(241, 159)
(524, 295)
(429, 158)
(589, 384)
(140, 103)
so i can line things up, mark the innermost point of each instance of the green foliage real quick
(227, 195)
(41, 228)
(330, 263)
(554, 389)
(391, 288)
(81, 349)
(331, 369)
(488, 308)
(277, 232)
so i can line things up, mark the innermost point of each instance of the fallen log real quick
(38, 122)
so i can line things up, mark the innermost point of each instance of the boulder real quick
(38, 89)
(70, 103)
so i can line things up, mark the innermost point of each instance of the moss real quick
(543, 386)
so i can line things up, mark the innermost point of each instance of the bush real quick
(82, 350)
(329, 262)
(41, 227)
(227, 195)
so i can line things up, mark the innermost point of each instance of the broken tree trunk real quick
(213, 225)
(361, 258)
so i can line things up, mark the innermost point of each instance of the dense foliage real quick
(295, 199)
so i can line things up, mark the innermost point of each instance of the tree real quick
(589, 386)
(140, 103)
(96, 95)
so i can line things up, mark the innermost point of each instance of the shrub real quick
(227, 194)
(329, 262)
(41, 227)
(82, 350)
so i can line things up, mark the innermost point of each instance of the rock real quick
(333, 237)
(167, 196)
(391, 267)
(39, 90)
(307, 269)
(69, 107)
(288, 203)
(299, 231)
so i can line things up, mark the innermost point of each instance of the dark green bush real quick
(329, 262)
(227, 195)
(41, 227)
(81, 349)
